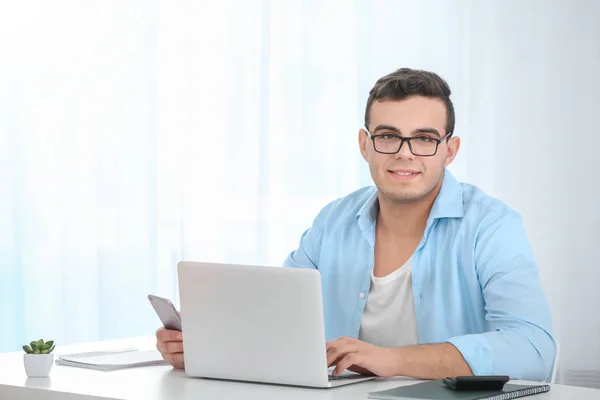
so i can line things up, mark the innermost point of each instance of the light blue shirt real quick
(475, 281)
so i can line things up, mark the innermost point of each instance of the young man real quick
(422, 276)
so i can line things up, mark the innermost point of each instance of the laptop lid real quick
(253, 323)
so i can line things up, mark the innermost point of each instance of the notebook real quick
(434, 390)
(112, 360)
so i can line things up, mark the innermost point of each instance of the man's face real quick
(405, 177)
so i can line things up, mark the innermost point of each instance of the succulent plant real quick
(39, 347)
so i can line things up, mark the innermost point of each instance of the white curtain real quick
(134, 134)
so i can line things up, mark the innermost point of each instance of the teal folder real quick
(436, 390)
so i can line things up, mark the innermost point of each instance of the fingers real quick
(346, 353)
(340, 350)
(170, 344)
(168, 335)
(346, 362)
(175, 359)
(169, 347)
(337, 341)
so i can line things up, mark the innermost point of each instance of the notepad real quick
(434, 390)
(113, 359)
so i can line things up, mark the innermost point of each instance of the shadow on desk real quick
(39, 383)
(176, 384)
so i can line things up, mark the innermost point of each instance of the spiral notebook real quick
(434, 390)
(113, 359)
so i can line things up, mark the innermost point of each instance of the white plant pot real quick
(38, 365)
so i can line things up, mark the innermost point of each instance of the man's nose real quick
(404, 152)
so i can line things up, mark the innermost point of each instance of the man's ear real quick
(363, 139)
(453, 146)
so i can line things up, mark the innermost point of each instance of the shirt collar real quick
(367, 215)
(447, 204)
(449, 201)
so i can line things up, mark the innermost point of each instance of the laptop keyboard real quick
(345, 377)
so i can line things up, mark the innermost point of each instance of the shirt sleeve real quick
(519, 342)
(309, 248)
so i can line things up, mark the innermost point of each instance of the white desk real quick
(163, 382)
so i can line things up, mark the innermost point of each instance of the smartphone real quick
(166, 311)
(493, 382)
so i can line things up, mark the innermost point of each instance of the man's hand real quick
(364, 358)
(170, 345)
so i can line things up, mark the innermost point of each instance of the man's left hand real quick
(364, 358)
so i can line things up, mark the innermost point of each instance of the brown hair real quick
(406, 82)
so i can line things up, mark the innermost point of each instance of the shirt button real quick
(362, 295)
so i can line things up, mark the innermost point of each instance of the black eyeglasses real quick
(421, 145)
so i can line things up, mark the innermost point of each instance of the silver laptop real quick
(255, 323)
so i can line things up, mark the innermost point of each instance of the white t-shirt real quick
(389, 318)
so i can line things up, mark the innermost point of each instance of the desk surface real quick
(163, 382)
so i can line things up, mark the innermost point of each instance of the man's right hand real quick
(170, 345)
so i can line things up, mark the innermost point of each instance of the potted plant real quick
(38, 358)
